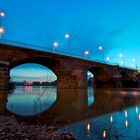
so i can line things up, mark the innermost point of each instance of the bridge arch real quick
(67, 77)
(52, 64)
(45, 61)
(101, 76)
(124, 74)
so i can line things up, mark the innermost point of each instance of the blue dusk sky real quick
(114, 24)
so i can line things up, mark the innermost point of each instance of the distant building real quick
(36, 83)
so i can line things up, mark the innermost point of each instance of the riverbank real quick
(11, 129)
(119, 89)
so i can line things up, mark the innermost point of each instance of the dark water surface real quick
(89, 115)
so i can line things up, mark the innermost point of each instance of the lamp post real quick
(85, 54)
(107, 58)
(121, 55)
(135, 61)
(67, 36)
(55, 45)
(102, 50)
(2, 14)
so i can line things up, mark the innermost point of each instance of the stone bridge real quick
(71, 72)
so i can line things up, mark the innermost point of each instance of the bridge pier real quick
(4, 75)
(110, 83)
(74, 79)
(3, 102)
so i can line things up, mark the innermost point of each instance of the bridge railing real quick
(50, 50)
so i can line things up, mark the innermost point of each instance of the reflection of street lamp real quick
(67, 36)
(104, 134)
(111, 119)
(55, 45)
(85, 54)
(102, 50)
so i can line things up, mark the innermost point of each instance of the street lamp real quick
(55, 45)
(134, 60)
(121, 55)
(67, 36)
(102, 50)
(107, 58)
(85, 54)
(2, 14)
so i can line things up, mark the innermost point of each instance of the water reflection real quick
(110, 114)
(111, 119)
(28, 100)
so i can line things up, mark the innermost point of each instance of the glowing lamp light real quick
(55, 44)
(121, 55)
(108, 59)
(1, 30)
(67, 36)
(86, 52)
(100, 48)
(2, 14)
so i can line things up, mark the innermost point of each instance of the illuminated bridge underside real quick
(71, 72)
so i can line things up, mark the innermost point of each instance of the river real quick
(88, 115)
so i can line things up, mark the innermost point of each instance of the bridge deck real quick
(64, 55)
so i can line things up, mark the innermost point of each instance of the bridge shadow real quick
(72, 106)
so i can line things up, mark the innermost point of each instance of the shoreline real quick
(10, 128)
(104, 88)
(123, 89)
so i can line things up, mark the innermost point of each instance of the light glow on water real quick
(126, 114)
(88, 128)
(108, 124)
(126, 123)
(121, 124)
(104, 134)
(111, 119)
(137, 111)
